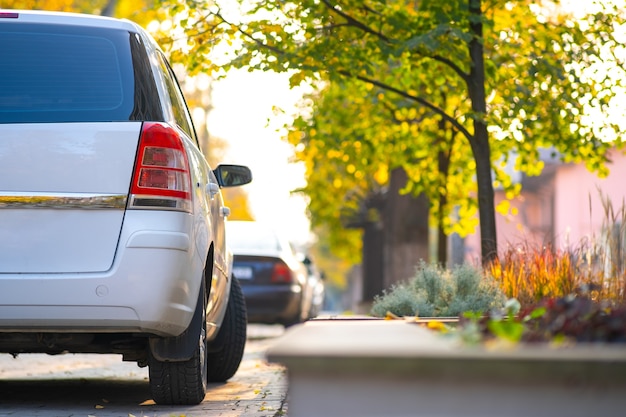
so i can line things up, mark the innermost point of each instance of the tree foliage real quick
(542, 84)
(492, 79)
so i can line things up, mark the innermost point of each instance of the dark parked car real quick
(112, 236)
(273, 279)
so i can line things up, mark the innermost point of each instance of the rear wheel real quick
(182, 382)
(227, 349)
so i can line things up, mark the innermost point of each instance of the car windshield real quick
(58, 73)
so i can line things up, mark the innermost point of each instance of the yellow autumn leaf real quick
(382, 174)
(391, 316)
(296, 79)
(437, 325)
(503, 207)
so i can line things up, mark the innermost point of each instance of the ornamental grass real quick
(596, 267)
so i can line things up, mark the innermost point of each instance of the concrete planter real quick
(380, 368)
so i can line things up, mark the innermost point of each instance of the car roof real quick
(254, 237)
(65, 18)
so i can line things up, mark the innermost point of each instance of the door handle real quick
(212, 189)
(225, 212)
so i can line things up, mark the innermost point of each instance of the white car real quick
(112, 224)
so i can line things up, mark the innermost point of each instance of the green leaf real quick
(507, 330)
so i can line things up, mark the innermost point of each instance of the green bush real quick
(439, 292)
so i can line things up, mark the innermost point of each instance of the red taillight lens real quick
(162, 179)
(282, 274)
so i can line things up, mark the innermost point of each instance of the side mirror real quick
(232, 175)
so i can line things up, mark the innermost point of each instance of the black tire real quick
(183, 382)
(226, 351)
(292, 322)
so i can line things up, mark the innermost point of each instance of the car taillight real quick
(161, 179)
(281, 274)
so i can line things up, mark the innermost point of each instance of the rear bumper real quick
(270, 304)
(152, 288)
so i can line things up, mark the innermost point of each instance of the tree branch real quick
(354, 22)
(420, 100)
(464, 75)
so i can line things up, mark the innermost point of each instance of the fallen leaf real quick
(437, 325)
(391, 316)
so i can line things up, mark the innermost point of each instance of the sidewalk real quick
(258, 389)
(104, 386)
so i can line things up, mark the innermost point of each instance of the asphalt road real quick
(103, 386)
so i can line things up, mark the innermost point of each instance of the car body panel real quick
(278, 304)
(63, 189)
(68, 18)
(159, 299)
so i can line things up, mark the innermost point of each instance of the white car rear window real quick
(54, 73)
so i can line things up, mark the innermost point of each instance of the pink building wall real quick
(578, 199)
(563, 207)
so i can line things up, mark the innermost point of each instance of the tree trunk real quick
(405, 227)
(372, 271)
(442, 238)
(480, 141)
(443, 165)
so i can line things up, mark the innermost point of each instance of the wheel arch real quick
(182, 347)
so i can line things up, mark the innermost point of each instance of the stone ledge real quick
(350, 367)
